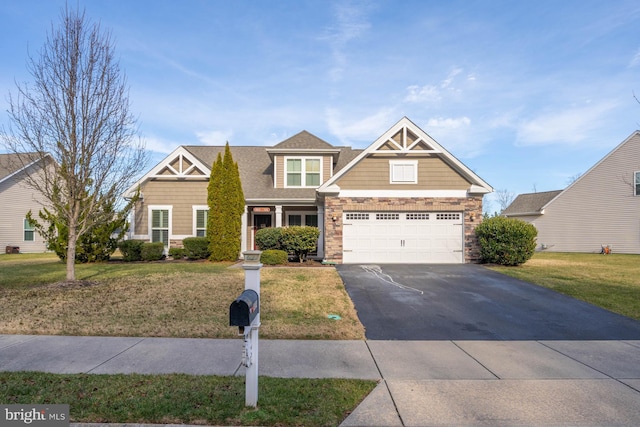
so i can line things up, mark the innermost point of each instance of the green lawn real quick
(178, 399)
(176, 299)
(609, 281)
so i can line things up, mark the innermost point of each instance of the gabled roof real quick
(194, 162)
(304, 143)
(303, 140)
(12, 164)
(530, 203)
(406, 137)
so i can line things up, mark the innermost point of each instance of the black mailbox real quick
(244, 309)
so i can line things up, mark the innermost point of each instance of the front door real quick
(260, 221)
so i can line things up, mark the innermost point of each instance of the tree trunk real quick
(71, 252)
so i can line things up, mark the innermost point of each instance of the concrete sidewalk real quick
(423, 383)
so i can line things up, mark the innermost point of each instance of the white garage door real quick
(402, 237)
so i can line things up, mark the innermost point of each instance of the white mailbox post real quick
(252, 268)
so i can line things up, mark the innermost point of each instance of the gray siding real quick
(16, 199)
(599, 208)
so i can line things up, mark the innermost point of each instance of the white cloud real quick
(571, 126)
(214, 137)
(449, 123)
(351, 24)
(431, 93)
(366, 129)
(635, 61)
(158, 145)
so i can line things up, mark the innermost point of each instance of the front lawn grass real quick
(168, 299)
(186, 399)
(609, 281)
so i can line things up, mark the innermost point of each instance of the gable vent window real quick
(357, 216)
(387, 216)
(637, 183)
(449, 216)
(403, 171)
(303, 172)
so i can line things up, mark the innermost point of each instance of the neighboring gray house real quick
(16, 199)
(601, 208)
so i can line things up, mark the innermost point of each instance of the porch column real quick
(243, 232)
(278, 215)
(321, 228)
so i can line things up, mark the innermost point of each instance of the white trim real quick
(404, 193)
(302, 214)
(394, 163)
(404, 124)
(194, 223)
(150, 210)
(182, 153)
(303, 178)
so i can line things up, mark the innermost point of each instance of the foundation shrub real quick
(506, 241)
(131, 250)
(196, 247)
(152, 251)
(274, 257)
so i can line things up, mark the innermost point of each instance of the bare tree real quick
(76, 111)
(573, 178)
(504, 198)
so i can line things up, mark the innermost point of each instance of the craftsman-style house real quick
(402, 199)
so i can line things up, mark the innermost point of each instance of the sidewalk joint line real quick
(114, 356)
(591, 367)
(386, 384)
(476, 360)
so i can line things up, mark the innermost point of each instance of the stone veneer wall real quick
(335, 206)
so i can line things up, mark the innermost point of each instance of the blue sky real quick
(526, 93)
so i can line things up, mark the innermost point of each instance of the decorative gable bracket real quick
(405, 141)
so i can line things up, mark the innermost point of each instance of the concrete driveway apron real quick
(470, 302)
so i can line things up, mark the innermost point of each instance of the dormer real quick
(302, 161)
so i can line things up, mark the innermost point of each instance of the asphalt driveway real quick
(470, 302)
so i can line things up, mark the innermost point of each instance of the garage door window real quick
(417, 216)
(357, 216)
(387, 216)
(447, 216)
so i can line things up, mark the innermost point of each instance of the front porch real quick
(258, 216)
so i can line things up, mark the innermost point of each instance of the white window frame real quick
(26, 229)
(406, 165)
(170, 221)
(303, 171)
(636, 183)
(197, 208)
(303, 215)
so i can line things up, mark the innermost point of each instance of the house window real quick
(29, 231)
(303, 172)
(403, 171)
(160, 226)
(309, 220)
(636, 181)
(201, 218)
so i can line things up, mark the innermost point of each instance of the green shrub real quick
(196, 247)
(152, 251)
(506, 241)
(177, 253)
(131, 250)
(274, 257)
(269, 238)
(300, 240)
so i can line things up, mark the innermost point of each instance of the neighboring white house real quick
(16, 199)
(602, 207)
